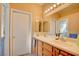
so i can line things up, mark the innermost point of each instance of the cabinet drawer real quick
(46, 52)
(48, 47)
(64, 53)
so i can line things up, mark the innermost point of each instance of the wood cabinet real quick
(39, 48)
(55, 51)
(45, 49)
(64, 53)
(46, 52)
(47, 46)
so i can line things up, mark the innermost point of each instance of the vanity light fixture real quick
(51, 8)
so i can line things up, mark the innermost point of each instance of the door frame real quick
(5, 16)
(11, 31)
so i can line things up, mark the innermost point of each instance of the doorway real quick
(21, 31)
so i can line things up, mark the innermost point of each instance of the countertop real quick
(68, 44)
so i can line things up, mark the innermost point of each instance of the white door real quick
(20, 36)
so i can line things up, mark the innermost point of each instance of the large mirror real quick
(38, 26)
(69, 27)
(45, 26)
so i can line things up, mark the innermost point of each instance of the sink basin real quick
(66, 42)
(69, 43)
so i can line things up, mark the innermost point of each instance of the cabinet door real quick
(63, 53)
(46, 52)
(39, 48)
(47, 49)
(47, 46)
(55, 51)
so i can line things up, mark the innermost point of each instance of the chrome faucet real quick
(57, 36)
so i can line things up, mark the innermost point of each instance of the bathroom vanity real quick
(49, 46)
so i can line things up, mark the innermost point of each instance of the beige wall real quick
(35, 9)
(73, 22)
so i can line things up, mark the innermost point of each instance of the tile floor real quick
(29, 54)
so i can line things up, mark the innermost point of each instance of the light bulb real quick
(54, 5)
(51, 7)
(48, 9)
(58, 3)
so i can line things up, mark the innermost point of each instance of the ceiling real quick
(40, 4)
